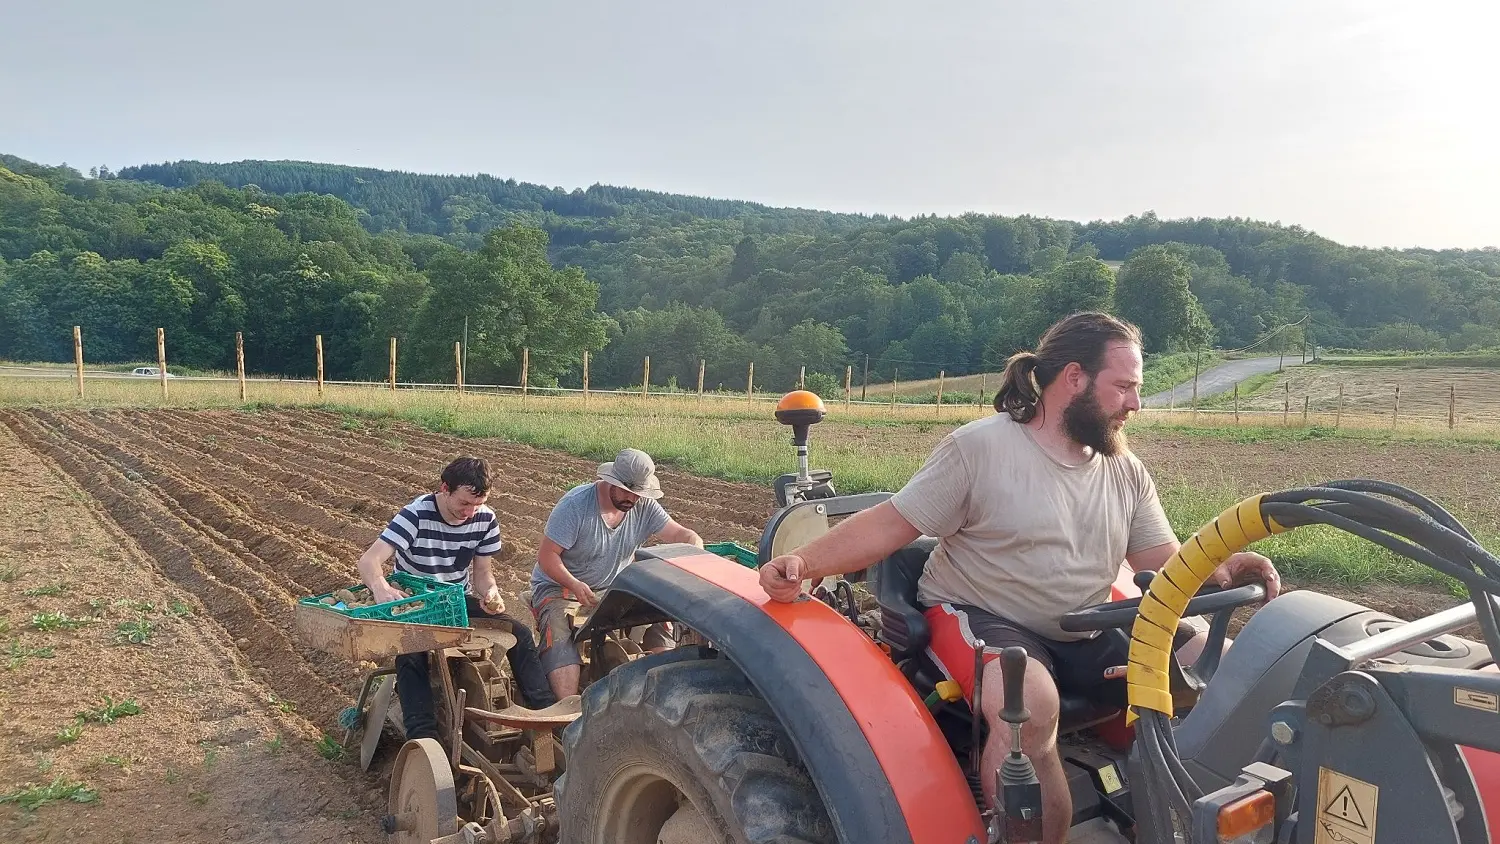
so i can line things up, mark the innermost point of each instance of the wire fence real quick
(1453, 399)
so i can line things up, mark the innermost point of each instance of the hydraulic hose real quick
(1430, 536)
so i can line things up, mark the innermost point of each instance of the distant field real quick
(1370, 387)
(987, 381)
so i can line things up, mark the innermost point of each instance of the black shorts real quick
(1077, 667)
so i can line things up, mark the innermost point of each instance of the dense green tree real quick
(1082, 284)
(513, 299)
(1153, 292)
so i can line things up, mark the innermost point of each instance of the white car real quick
(149, 371)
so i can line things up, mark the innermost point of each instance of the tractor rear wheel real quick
(679, 747)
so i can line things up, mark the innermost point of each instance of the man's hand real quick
(384, 592)
(584, 594)
(782, 577)
(1248, 567)
(493, 602)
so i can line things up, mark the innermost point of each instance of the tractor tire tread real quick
(699, 705)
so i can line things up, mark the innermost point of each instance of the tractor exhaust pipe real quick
(1016, 783)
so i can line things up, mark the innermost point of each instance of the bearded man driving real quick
(1033, 509)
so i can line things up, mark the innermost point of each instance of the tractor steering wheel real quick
(1212, 599)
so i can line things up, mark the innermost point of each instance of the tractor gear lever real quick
(976, 749)
(1143, 580)
(1013, 669)
(1016, 782)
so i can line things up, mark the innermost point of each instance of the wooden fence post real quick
(1338, 415)
(750, 385)
(161, 359)
(848, 382)
(1306, 404)
(941, 373)
(585, 377)
(1236, 403)
(866, 382)
(1450, 404)
(525, 371)
(895, 376)
(319, 342)
(239, 360)
(802, 377)
(458, 367)
(701, 363)
(393, 364)
(982, 377)
(1396, 408)
(78, 356)
(1286, 403)
(1197, 359)
(645, 377)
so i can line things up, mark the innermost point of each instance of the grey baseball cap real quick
(633, 470)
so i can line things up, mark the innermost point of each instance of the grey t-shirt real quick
(592, 551)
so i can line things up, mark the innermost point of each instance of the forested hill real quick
(286, 250)
(766, 269)
(425, 204)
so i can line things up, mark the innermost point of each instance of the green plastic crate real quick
(431, 602)
(734, 551)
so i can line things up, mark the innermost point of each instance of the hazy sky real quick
(1372, 122)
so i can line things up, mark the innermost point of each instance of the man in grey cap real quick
(594, 532)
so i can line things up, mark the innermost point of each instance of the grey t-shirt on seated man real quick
(592, 551)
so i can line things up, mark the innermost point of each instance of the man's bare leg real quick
(564, 681)
(1192, 649)
(1038, 739)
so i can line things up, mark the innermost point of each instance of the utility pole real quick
(465, 364)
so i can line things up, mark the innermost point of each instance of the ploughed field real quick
(220, 521)
(155, 556)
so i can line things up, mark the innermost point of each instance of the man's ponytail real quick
(1019, 393)
(1080, 337)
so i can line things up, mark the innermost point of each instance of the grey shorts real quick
(557, 648)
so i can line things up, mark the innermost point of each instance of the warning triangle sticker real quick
(1344, 808)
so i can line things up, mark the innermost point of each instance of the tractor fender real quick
(882, 767)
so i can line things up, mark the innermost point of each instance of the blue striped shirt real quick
(427, 546)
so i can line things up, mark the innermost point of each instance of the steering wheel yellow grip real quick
(1146, 679)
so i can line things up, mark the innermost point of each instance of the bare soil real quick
(236, 515)
(209, 757)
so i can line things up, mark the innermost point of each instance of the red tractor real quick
(825, 720)
(1325, 721)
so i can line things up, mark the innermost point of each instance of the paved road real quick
(1217, 380)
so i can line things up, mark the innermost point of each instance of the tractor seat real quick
(559, 714)
(904, 628)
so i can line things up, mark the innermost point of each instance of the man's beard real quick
(1085, 422)
(622, 506)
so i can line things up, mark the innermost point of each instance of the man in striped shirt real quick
(450, 535)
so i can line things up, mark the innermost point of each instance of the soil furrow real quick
(226, 474)
(290, 498)
(540, 468)
(283, 557)
(249, 607)
(521, 520)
